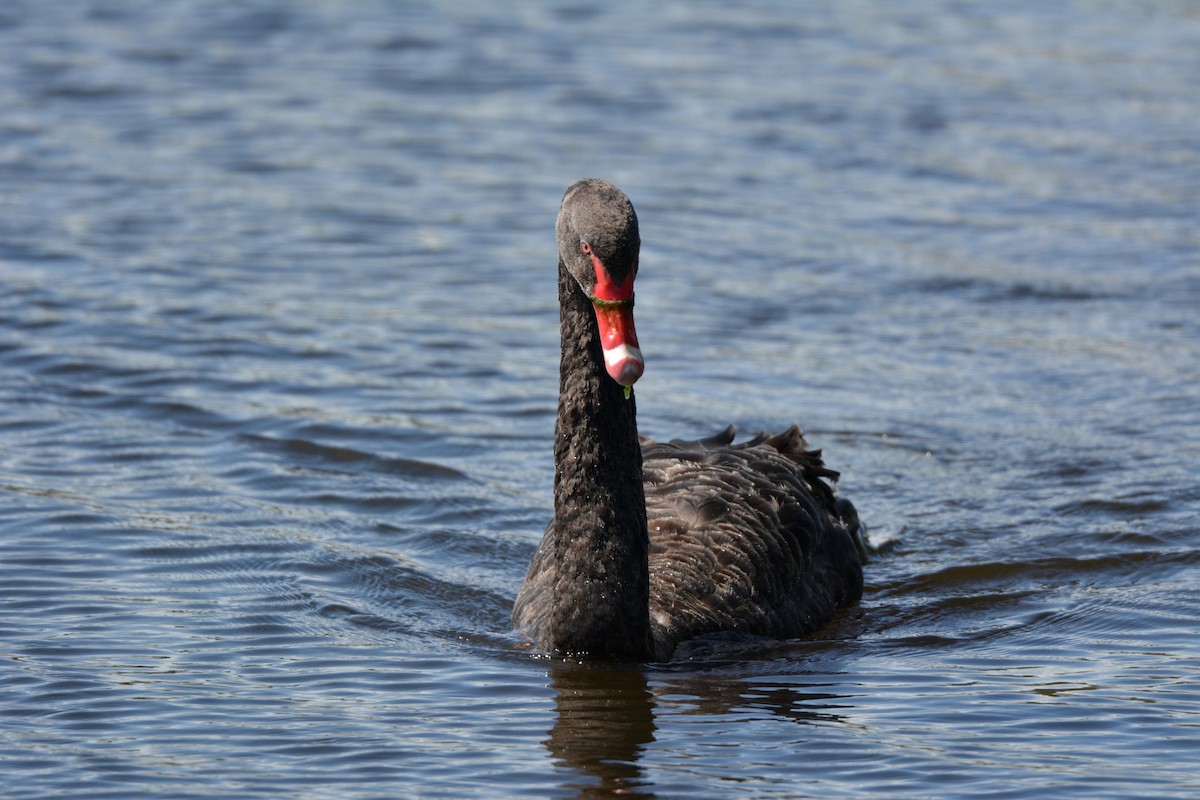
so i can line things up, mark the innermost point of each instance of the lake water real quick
(278, 367)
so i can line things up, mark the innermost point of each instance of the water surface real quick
(278, 372)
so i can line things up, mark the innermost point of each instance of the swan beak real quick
(622, 356)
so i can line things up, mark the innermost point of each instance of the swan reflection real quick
(606, 714)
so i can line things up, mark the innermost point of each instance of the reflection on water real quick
(605, 716)
(604, 720)
(278, 380)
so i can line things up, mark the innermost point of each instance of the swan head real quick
(598, 243)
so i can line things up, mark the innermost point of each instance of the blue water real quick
(278, 365)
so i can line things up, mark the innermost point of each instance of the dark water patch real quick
(83, 90)
(405, 42)
(410, 435)
(1075, 470)
(172, 411)
(1118, 507)
(986, 290)
(159, 56)
(348, 460)
(1041, 572)
(440, 510)
(191, 553)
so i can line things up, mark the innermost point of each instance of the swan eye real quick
(585, 247)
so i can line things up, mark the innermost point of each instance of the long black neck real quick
(601, 590)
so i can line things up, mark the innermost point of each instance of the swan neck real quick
(601, 594)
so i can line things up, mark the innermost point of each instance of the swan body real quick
(654, 543)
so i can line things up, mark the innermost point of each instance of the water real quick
(278, 369)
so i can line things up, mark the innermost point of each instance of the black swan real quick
(656, 543)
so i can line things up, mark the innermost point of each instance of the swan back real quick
(745, 538)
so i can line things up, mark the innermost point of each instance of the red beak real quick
(614, 314)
